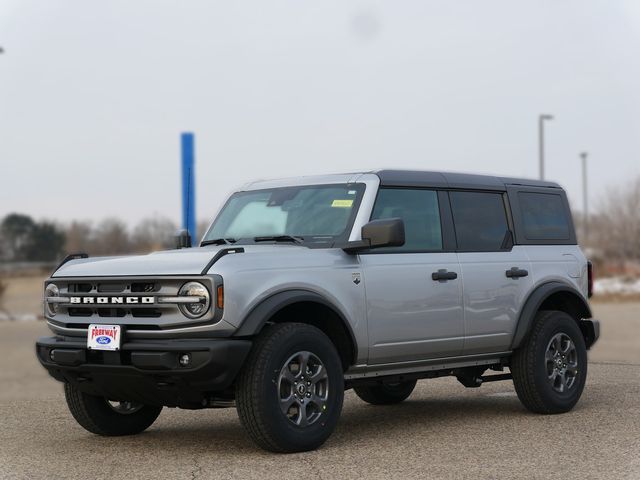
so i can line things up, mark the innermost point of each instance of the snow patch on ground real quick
(617, 286)
(27, 317)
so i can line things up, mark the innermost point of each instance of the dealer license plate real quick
(104, 337)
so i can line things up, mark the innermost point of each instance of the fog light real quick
(185, 360)
(52, 355)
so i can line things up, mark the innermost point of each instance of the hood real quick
(188, 261)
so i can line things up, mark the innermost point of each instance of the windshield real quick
(305, 214)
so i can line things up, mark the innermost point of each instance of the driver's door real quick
(412, 315)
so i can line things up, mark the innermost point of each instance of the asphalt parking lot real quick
(442, 431)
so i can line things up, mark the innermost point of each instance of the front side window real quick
(311, 213)
(480, 220)
(543, 216)
(419, 210)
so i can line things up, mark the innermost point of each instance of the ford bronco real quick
(304, 287)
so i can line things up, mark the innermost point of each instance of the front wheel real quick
(290, 391)
(550, 368)
(109, 418)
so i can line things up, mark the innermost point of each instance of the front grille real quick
(111, 287)
(146, 313)
(111, 312)
(79, 287)
(129, 326)
(116, 309)
(114, 287)
(140, 287)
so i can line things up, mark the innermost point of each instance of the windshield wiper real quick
(280, 238)
(218, 241)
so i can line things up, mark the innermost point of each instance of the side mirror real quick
(388, 232)
(183, 239)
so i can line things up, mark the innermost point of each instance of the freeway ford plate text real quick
(104, 337)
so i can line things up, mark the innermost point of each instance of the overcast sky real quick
(94, 95)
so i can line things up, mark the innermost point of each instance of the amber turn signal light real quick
(220, 297)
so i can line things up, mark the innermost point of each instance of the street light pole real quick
(541, 119)
(585, 196)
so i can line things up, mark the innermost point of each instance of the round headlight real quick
(195, 289)
(52, 290)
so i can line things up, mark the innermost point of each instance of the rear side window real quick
(544, 216)
(421, 215)
(480, 221)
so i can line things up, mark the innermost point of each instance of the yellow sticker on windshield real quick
(342, 203)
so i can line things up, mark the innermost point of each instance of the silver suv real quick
(305, 287)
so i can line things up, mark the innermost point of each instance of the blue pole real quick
(188, 185)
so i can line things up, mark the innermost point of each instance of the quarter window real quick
(480, 220)
(543, 216)
(419, 210)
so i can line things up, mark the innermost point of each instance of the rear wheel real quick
(386, 393)
(290, 391)
(109, 418)
(550, 368)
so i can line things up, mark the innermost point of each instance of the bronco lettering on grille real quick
(112, 300)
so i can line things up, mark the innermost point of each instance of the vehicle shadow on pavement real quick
(220, 430)
(432, 414)
(429, 419)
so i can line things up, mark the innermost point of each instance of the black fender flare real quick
(253, 323)
(536, 299)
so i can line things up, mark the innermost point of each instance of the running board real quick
(434, 366)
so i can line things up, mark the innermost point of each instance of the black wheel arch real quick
(283, 306)
(554, 295)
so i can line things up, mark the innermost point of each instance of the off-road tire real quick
(385, 393)
(258, 388)
(96, 416)
(529, 365)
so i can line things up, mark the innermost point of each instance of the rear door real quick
(496, 275)
(412, 316)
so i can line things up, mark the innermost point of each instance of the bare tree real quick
(3, 310)
(5, 248)
(79, 238)
(616, 227)
(111, 237)
(154, 233)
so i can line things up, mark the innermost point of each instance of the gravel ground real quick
(442, 431)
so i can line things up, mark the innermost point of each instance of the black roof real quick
(418, 178)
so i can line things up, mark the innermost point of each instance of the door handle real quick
(516, 272)
(442, 275)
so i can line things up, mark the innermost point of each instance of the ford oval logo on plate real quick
(104, 337)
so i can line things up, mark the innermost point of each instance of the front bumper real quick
(147, 371)
(591, 331)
